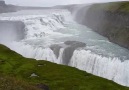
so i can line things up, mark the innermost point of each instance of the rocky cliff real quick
(108, 19)
(2, 3)
(6, 8)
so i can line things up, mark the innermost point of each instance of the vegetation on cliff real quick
(122, 6)
(19, 73)
(12, 83)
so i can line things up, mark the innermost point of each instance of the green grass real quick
(17, 69)
(12, 83)
(112, 6)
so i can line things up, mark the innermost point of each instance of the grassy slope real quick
(57, 77)
(113, 6)
(11, 83)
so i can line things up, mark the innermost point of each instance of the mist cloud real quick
(53, 2)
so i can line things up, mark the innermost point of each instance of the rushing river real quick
(53, 35)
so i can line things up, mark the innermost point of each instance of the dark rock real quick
(75, 44)
(2, 61)
(70, 42)
(6, 8)
(2, 3)
(68, 51)
(43, 86)
(56, 49)
(69, 48)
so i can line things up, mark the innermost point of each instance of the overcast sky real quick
(52, 2)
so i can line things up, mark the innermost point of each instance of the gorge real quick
(55, 35)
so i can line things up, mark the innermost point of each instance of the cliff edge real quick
(6, 8)
(108, 19)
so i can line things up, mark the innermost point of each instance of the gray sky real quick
(53, 2)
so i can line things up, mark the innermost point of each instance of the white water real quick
(99, 57)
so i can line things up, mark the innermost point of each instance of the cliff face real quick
(110, 20)
(2, 3)
(6, 8)
(2, 6)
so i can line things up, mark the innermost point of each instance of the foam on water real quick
(38, 26)
(110, 68)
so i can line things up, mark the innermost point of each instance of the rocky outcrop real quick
(2, 3)
(69, 48)
(56, 49)
(6, 8)
(109, 19)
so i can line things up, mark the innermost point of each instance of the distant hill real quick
(6, 8)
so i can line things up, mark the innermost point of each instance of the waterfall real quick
(110, 68)
(55, 37)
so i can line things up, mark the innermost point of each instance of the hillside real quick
(6, 8)
(110, 20)
(27, 73)
(112, 6)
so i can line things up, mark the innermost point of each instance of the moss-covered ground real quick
(122, 6)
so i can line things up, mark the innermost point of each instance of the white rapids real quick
(100, 57)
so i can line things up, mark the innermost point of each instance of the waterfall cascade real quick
(57, 38)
